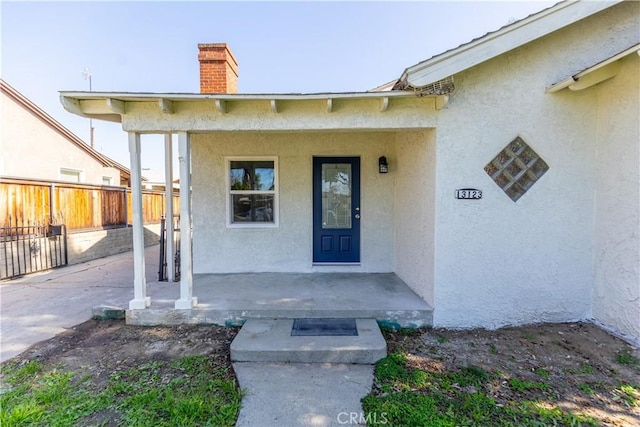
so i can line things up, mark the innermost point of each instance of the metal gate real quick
(29, 247)
(162, 271)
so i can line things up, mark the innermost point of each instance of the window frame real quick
(229, 192)
(69, 171)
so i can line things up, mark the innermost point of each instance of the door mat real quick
(324, 327)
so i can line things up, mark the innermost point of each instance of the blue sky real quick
(281, 47)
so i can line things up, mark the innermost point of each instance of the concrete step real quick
(270, 340)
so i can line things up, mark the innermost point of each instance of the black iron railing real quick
(31, 246)
(162, 271)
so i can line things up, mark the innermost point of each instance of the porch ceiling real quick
(160, 113)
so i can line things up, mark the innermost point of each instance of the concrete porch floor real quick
(230, 299)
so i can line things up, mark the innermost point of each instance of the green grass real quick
(624, 357)
(629, 394)
(190, 391)
(586, 369)
(406, 396)
(542, 372)
(587, 388)
(442, 339)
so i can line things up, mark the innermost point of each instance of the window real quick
(253, 191)
(70, 175)
(107, 180)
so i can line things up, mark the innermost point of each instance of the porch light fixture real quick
(383, 166)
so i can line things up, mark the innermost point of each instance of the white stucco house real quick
(512, 185)
(36, 146)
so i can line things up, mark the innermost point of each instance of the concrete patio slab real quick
(225, 299)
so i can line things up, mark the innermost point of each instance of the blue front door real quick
(336, 209)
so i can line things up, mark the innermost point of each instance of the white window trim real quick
(276, 192)
(109, 179)
(80, 173)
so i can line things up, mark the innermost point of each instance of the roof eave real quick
(146, 96)
(608, 69)
(498, 42)
(111, 106)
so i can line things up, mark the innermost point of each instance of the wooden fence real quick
(78, 206)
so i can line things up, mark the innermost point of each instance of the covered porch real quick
(230, 299)
(392, 281)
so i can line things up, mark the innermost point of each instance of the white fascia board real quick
(574, 78)
(501, 41)
(111, 106)
(132, 96)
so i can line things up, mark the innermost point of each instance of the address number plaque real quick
(468, 193)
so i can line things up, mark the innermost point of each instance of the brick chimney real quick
(218, 68)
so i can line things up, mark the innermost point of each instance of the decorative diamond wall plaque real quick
(516, 168)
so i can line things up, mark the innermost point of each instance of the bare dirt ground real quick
(578, 361)
(103, 347)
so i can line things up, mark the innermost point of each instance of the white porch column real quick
(168, 178)
(140, 299)
(187, 300)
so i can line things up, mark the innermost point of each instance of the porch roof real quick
(194, 112)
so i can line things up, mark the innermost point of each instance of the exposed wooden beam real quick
(115, 106)
(329, 105)
(221, 106)
(384, 103)
(274, 105)
(166, 106)
(441, 101)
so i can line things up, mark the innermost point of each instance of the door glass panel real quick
(336, 195)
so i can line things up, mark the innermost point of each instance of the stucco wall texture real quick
(415, 169)
(498, 262)
(287, 248)
(32, 149)
(616, 303)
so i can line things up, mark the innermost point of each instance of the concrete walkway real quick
(305, 379)
(39, 306)
(302, 394)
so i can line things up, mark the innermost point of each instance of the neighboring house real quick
(36, 146)
(539, 118)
